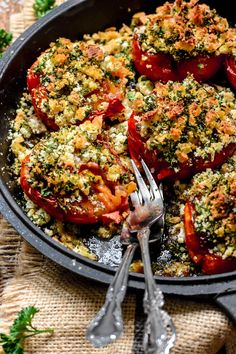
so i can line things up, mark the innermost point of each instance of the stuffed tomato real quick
(183, 128)
(74, 81)
(74, 176)
(180, 38)
(209, 220)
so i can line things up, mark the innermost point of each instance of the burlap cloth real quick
(68, 302)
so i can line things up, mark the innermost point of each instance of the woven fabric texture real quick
(68, 302)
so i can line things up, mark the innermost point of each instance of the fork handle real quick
(159, 331)
(108, 325)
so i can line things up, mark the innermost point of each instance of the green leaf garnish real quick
(21, 329)
(42, 7)
(5, 40)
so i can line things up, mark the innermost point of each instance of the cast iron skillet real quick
(71, 20)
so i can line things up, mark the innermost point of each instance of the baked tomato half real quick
(209, 263)
(178, 136)
(102, 207)
(72, 82)
(230, 67)
(180, 38)
(202, 67)
(155, 66)
(74, 177)
(138, 149)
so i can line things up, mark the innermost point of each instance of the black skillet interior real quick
(72, 19)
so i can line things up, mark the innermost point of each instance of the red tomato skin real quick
(50, 205)
(168, 173)
(230, 68)
(154, 66)
(38, 94)
(162, 66)
(163, 171)
(216, 265)
(195, 250)
(135, 143)
(137, 148)
(209, 263)
(115, 106)
(85, 217)
(114, 217)
(33, 79)
(211, 64)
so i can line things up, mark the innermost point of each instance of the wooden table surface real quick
(8, 7)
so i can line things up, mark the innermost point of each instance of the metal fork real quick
(108, 325)
(159, 331)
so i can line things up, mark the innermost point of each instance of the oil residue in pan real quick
(109, 252)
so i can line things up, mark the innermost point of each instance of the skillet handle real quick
(227, 301)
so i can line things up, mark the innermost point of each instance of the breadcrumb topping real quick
(81, 77)
(187, 121)
(185, 29)
(214, 196)
(60, 165)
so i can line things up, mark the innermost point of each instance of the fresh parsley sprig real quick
(5, 40)
(42, 7)
(21, 329)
